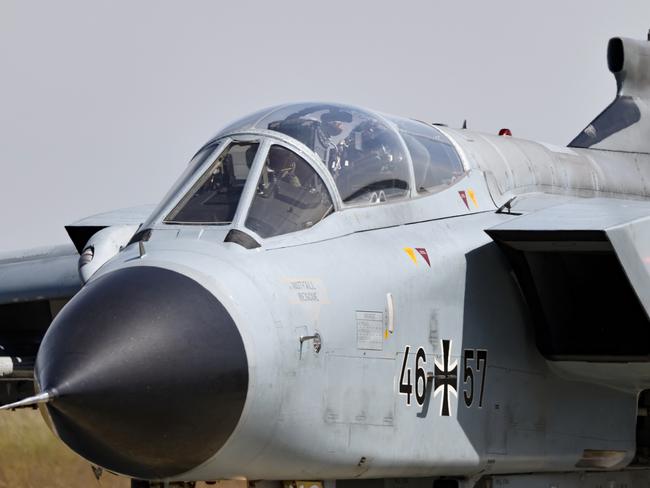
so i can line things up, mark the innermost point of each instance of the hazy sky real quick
(103, 103)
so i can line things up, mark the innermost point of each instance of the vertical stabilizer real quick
(625, 124)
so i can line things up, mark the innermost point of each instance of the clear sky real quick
(103, 103)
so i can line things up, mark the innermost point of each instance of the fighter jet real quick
(331, 296)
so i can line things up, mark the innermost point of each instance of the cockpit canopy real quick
(285, 169)
(367, 154)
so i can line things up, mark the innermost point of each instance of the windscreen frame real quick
(270, 138)
(177, 192)
(224, 143)
(278, 138)
(265, 139)
(282, 187)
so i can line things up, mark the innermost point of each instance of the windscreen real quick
(215, 196)
(290, 196)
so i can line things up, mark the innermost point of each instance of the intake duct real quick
(584, 270)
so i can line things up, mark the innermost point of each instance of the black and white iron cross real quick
(445, 378)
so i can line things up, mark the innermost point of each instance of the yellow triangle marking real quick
(411, 252)
(385, 334)
(472, 195)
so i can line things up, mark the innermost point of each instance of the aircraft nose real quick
(149, 370)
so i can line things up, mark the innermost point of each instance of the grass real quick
(32, 457)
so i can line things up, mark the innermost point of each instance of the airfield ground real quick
(32, 457)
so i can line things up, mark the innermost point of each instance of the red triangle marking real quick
(464, 197)
(423, 252)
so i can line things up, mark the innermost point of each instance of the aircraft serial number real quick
(444, 377)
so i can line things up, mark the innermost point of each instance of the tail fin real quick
(625, 124)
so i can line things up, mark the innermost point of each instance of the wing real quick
(81, 231)
(584, 269)
(34, 285)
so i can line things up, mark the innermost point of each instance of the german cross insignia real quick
(446, 378)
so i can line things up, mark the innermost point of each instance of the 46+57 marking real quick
(444, 376)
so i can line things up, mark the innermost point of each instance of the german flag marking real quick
(472, 195)
(463, 195)
(411, 253)
(423, 252)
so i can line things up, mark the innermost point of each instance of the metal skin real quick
(424, 273)
(317, 415)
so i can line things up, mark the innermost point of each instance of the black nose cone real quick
(150, 371)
